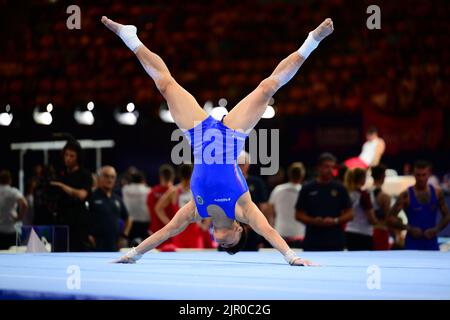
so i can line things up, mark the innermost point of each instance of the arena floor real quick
(218, 276)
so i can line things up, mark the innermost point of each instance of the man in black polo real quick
(74, 185)
(324, 207)
(107, 212)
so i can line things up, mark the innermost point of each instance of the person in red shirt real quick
(194, 236)
(166, 178)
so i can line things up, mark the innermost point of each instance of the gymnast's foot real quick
(323, 30)
(128, 33)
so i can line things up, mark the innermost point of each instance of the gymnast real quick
(219, 189)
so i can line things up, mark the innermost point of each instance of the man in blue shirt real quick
(421, 203)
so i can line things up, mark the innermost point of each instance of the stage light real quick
(208, 106)
(166, 116)
(269, 113)
(5, 119)
(85, 118)
(43, 118)
(130, 107)
(90, 106)
(128, 118)
(223, 102)
(218, 113)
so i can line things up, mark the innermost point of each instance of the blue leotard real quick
(423, 216)
(216, 178)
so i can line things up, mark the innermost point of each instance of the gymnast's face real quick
(228, 237)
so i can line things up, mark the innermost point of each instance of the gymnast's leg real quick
(182, 105)
(246, 114)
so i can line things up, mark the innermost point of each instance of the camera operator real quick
(75, 184)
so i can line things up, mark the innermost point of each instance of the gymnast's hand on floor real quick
(130, 257)
(124, 259)
(304, 263)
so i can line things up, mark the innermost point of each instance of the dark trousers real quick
(358, 242)
(139, 230)
(254, 241)
(322, 248)
(7, 240)
(106, 243)
(78, 240)
(291, 242)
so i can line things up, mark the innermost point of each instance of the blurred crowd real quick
(332, 207)
(214, 52)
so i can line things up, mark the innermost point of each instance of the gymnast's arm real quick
(259, 223)
(179, 222)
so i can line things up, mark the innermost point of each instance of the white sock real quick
(308, 46)
(129, 37)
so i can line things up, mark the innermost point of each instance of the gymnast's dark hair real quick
(241, 244)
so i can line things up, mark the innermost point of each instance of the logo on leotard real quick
(199, 200)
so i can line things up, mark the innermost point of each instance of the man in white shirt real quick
(10, 199)
(282, 201)
(371, 152)
(135, 199)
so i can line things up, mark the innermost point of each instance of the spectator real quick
(94, 182)
(446, 184)
(381, 203)
(28, 218)
(407, 169)
(258, 193)
(75, 182)
(282, 200)
(45, 197)
(359, 231)
(434, 180)
(107, 212)
(10, 199)
(324, 207)
(420, 203)
(166, 178)
(176, 197)
(135, 198)
(371, 153)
